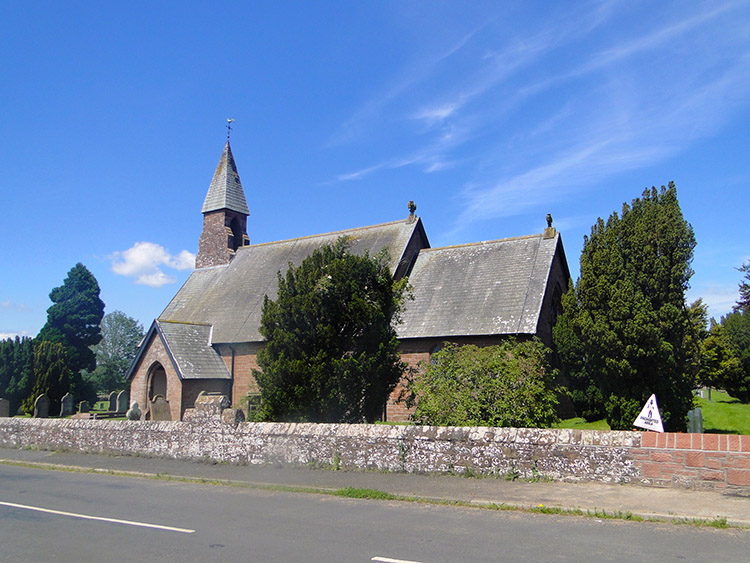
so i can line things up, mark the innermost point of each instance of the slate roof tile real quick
(189, 346)
(484, 288)
(230, 297)
(225, 191)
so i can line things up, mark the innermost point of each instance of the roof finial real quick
(550, 231)
(412, 208)
(230, 120)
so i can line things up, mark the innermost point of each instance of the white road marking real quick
(101, 519)
(389, 560)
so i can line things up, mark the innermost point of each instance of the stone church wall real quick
(697, 461)
(139, 385)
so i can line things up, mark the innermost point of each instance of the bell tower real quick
(225, 215)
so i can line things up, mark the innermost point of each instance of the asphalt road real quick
(172, 521)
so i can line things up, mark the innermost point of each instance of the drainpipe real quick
(231, 372)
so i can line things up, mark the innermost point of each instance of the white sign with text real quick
(650, 419)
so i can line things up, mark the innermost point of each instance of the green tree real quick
(53, 374)
(331, 348)
(743, 303)
(510, 384)
(726, 348)
(721, 366)
(627, 331)
(734, 332)
(16, 370)
(73, 321)
(121, 335)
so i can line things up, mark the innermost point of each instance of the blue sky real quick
(489, 115)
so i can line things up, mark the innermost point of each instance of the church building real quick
(207, 337)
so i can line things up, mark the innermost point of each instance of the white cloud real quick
(720, 299)
(9, 305)
(436, 113)
(144, 262)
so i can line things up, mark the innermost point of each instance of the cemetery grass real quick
(723, 415)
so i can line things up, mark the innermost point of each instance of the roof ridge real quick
(339, 232)
(481, 243)
(168, 321)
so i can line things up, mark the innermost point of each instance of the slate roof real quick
(230, 297)
(189, 348)
(225, 191)
(477, 289)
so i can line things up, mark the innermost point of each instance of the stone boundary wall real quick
(697, 461)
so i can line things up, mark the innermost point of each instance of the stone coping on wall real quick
(698, 461)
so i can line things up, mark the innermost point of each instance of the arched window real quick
(157, 381)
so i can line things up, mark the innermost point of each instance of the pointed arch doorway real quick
(157, 381)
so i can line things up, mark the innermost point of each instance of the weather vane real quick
(230, 120)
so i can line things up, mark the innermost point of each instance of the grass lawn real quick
(723, 415)
(581, 424)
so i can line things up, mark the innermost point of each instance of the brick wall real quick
(679, 460)
(139, 385)
(245, 361)
(703, 461)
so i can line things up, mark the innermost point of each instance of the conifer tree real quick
(52, 374)
(743, 303)
(74, 317)
(331, 353)
(16, 370)
(73, 321)
(727, 348)
(627, 331)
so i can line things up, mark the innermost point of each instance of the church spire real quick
(225, 191)
(225, 215)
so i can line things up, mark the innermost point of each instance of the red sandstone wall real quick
(414, 352)
(245, 361)
(703, 461)
(155, 352)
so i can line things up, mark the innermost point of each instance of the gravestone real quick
(112, 402)
(4, 407)
(41, 406)
(695, 421)
(134, 413)
(83, 406)
(123, 397)
(160, 409)
(66, 405)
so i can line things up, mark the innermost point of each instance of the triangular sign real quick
(650, 419)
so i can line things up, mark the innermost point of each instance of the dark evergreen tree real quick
(627, 331)
(331, 349)
(121, 335)
(73, 321)
(743, 303)
(52, 375)
(16, 370)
